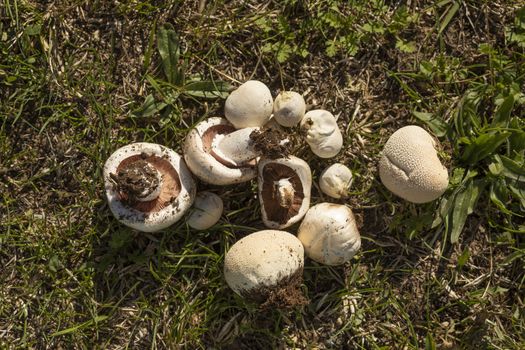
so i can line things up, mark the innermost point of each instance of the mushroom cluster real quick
(150, 187)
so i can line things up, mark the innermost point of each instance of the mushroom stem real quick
(285, 192)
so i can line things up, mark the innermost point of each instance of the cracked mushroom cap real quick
(322, 133)
(250, 105)
(148, 186)
(206, 211)
(284, 187)
(329, 234)
(410, 168)
(289, 108)
(261, 260)
(206, 162)
(335, 181)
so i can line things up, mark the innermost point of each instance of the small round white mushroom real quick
(205, 159)
(207, 210)
(336, 180)
(289, 108)
(410, 168)
(250, 105)
(322, 133)
(148, 186)
(284, 187)
(329, 234)
(265, 264)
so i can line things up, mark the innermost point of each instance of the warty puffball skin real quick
(262, 259)
(410, 168)
(335, 181)
(250, 105)
(289, 108)
(322, 133)
(329, 234)
(207, 210)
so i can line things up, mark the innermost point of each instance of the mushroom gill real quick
(209, 143)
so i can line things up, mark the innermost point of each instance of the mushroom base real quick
(271, 143)
(285, 294)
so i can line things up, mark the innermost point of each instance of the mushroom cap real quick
(206, 165)
(335, 181)
(249, 105)
(410, 168)
(262, 259)
(207, 210)
(289, 108)
(298, 174)
(322, 133)
(176, 195)
(329, 234)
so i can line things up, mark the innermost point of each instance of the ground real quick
(78, 79)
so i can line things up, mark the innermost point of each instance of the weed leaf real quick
(502, 114)
(464, 204)
(483, 146)
(168, 46)
(207, 89)
(438, 126)
(451, 12)
(149, 107)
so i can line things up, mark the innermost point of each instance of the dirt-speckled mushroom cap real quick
(250, 105)
(336, 180)
(284, 187)
(289, 108)
(262, 259)
(208, 165)
(206, 211)
(322, 133)
(173, 197)
(329, 234)
(410, 168)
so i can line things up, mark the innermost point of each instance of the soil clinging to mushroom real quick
(271, 143)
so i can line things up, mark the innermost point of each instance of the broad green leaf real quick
(208, 89)
(517, 139)
(483, 146)
(438, 126)
(464, 204)
(502, 114)
(499, 195)
(512, 169)
(406, 46)
(168, 46)
(463, 258)
(149, 107)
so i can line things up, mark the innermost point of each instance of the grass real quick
(78, 80)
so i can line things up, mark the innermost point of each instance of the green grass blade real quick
(73, 329)
(168, 45)
(464, 204)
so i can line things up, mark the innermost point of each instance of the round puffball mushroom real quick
(289, 108)
(329, 234)
(284, 186)
(322, 133)
(410, 168)
(148, 186)
(335, 181)
(250, 105)
(207, 210)
(266, 266)
(205, 158)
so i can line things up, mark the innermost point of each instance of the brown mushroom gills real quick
(207, 140)
(171, 185)
(277, 208)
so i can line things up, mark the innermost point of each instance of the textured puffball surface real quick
(289, 108)
(329, 234)
(207, 210)
(335, 181)
(410, 168)
(262, 259)
(250, 105)
(322, 133)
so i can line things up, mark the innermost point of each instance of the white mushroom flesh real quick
(206, 212)
(263, 259)
(322, 133)
(329, 234)
(236, 147)
(250, 105)
(335, 181)
(289, 108)
(410, 168)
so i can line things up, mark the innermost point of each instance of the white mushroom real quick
(284, 186)
(207, 210)
(336, 180)
(410, 167)
(202, 154)
(249, 106)
(329, 234)
(289, 108)
(322, 133)
(264, 265)
(148, 186)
